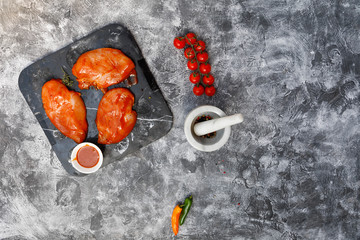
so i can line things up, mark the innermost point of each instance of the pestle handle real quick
(213, 125)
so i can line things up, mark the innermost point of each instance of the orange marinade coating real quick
(115, 118)
(65, 109)
(102, 68)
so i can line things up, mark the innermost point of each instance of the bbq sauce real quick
(87, 156)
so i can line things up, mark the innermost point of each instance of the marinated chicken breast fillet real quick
(102, 68)
(115, 118)
(65, 109)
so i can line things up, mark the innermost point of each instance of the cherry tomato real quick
(205, 68)
(208, 79)
(179, 42)
(194, 77)
(199, 46)
(190, 38)
(202, 57)
(210, 91)
(192, 64)
(189, 53)
(198, 90)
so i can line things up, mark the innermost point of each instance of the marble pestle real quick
(213, 125)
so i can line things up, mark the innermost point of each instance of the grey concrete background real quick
(290, 171)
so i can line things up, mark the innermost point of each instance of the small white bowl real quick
(205, 144)
(80, 168)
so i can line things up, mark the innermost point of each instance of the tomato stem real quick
(197, 71)
(198, 63)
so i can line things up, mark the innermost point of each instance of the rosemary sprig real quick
(66, 79)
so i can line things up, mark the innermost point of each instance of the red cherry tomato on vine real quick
(208, 79)
(199, 46)
(189, 53)
(192, 64)
(179, 42)
(198, 90)
(202, 57)
(210, 91)
(205, 68)
(190, 38)
(194, 77)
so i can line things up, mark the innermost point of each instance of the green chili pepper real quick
(185, 209)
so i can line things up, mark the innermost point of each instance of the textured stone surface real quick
(290, 171)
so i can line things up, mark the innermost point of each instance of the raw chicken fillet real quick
(65, 109)
(115, 118)
(102, 68)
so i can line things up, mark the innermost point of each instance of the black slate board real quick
(154, 116)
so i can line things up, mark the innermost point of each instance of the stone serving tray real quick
(154, 116)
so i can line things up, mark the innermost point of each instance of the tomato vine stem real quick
(198, 63)
(200, 74)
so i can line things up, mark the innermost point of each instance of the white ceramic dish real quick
(205, 144)
(80, 168)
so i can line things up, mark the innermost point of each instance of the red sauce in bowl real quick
(87, 156)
